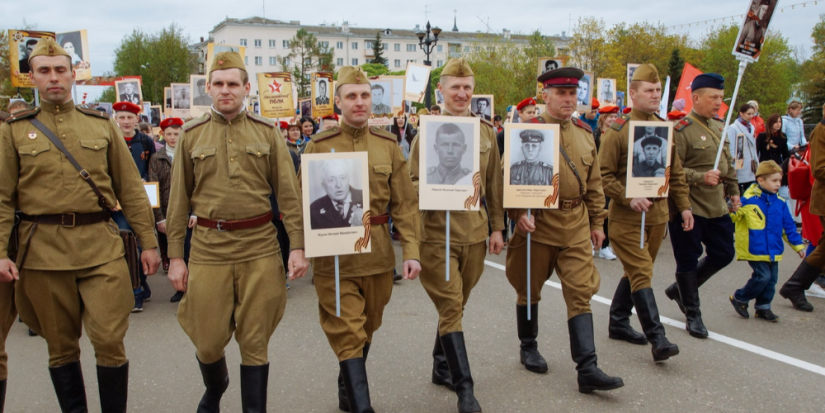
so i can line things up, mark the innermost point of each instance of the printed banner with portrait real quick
(199, 101)
(631, 69)
(415, 82)
(648, 169)
(322, 100)
(180, 100)
(275, 94)
(607, 91)
(155, 117)
(483, 106)
(76, 44)
(754, 28)
(336, 203)
(21, 45)
(128, 90)
(167, 101)
(449, 177)
(382, 90)
(212, 49)
(305, 105)
(531, 157)
(547, 64)
(584, 94)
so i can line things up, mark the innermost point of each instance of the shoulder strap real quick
(101, 200)
(575, 171)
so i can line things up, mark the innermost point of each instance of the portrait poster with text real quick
(415, 82)
(21, 45)
(449, 158)
(76, 44)
(275, 94)
(382, 91)
(648, 159)
(753, 30)
(531, 159)
(322, 100)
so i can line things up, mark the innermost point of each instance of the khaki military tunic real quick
(72, 275)
(468, 234)
(561, 241)
(366, 279)
(527, 173)
(625, 223)
(226, 170)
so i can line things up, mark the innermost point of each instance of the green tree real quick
(374, 69)
(377, 51)
(674, 70)
(813, 85)
(588, 47)
(108, 95)
(307, 56)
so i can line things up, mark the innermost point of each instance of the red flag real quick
(688, 74)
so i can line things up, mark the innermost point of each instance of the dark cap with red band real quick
(563, 77)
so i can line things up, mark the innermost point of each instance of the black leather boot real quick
(113, 385)
(254, 380)
(343, 402)
(583, 350)
(620, 311)
(216, 380)
(69, 387)
(648, 313)
(703, 273)
(354, 374)
(528, 331)
(456, 352)
(441, 371)
(2, 395)
(801, 280)
(689, 293)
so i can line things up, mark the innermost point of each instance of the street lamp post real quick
(427, 43)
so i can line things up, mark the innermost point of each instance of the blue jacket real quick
(762, 223)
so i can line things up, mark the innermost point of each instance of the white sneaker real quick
(607, 253)
(815, 291)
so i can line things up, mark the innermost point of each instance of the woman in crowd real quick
(793, 127)
(404, 134)
(772, 145)
(743, 144)
(294, 140)
(607, 115)
(307, 128)
(757, 121)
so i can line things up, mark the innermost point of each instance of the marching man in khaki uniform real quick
(562, 238)
(626, 219)
(229, 162)
(468, 242)
(72, 271)
(365, 279)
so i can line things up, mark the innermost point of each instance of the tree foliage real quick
(377, 51)
(813, 85)
(307, 55)
(6, 89)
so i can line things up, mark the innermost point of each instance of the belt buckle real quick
(566, 204)
(63, 220)
(220, 227)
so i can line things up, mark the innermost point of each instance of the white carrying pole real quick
(742, 65)
(447, 256)
(74, 93)
(663, 107)
(529, 297)
(36, 97)
(642, 237)
(337, 289)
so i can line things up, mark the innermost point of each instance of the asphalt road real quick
(708, 376)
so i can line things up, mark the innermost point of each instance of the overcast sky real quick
(108, 22)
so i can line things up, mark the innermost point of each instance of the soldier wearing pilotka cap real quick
(561, 238)
(229, 163)
(625, 218)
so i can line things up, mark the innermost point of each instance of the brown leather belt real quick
(222, 225)
(69, 220)
(380, 220)
(568, 204)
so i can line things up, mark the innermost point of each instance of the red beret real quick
(178, 122)
(627, 110)
(524, 103)
(676, 115)
(126, 107)
(283, 124)
(609, 109)
(328, 117)
(594, 103)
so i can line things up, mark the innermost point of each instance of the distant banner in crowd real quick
(180, 100)
(631, 69)
(104, 80)
(382, 91)
(322, 100)
(753, 30)
(688, 74)
(76, 43)
(200, 101)
(212, 49)
(128, 90)
(584, 94)
(275, 94)
(21, 45)
(607, 91)
(397, 92)
(415, 82)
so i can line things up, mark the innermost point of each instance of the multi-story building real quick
(267, 41)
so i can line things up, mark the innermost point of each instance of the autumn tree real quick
(307, 55)
(813, 84)
(588, 47)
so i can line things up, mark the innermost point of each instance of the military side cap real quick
(47, 47)
(594, 103)
(525, 103)
(169, 122)
(563, 77)
(531, 136)
(675, 115)
(126, 107)
(651, 141)
(457, 67)
(711, 80)
(423, 111)
(609, 109)
(768, 168)
(351, 75)
(227, 60)
(646, 73)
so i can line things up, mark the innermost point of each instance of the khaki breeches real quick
(574, 266)
(362, 311)
(56, 304)
(7, 315)
(245, 298)
(637, 262)
(450, 297)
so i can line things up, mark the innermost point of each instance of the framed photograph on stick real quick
(322, 101)
(449, 163)
(382, 91)
(21, 45)
(648, 169)
(200, 101)
(631, 69)
(531, 156)
(547, 64)
(180, 100)
(754, 28)
(76, 44)
(397, 91)
(415, 82)
(607, 91)
(483, 106)
(128, 90)
(584, 94)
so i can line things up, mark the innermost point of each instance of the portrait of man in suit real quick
(130, 93)
(482, 108)
(341, 205)
(322, 93)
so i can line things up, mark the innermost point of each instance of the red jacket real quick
(758, 125)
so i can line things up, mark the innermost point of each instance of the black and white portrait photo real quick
(199, 95)
(180, 96)
(549, 64)
(322, 90)
(755, 26)
(583, 93)
(73, 44)
(482, 107)
(439, 97)
(129, 91)
(531, 159)
(167, 97)
(306, 108)
(649, 151)
(450, 154)
(381, 97)
(154, 116)
(336, 193)
(631, 69)
(607, 91)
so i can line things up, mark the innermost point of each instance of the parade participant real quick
(746, 155)
(814, 264)
(762, 223)
(635, 287)
(365, 279)
(757, 121)
(468, 242)
(697, 138)
(294, 141)
(307, 128)
(284, 127)
(591, 117)
(526, 110)
(607, 115)
(561, 238)
(233, 160)
(793, 127)
(72, 271)
(435, 110)
(329, 122)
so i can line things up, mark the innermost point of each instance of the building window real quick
(439, 48)
(339, 45)
(397, 62)
(286, 44)
(354, 61)
(410, 47)
(340, 61)
(370, 45)
(274, 60)
(259, 60)
(272, 43)
(246, 60)
(466, 49)
(286, 62)
(410, 60)
(243, 42)
(439, 63)
(354, 45)
(385, 46)
(323, 44)
(397, 47)
(257, 42)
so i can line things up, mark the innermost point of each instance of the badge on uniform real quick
(704, 138)
(32, 135)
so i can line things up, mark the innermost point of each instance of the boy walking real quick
(762, 223)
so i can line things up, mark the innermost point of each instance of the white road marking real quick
(813, 368)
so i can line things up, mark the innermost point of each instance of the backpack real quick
(800, 178)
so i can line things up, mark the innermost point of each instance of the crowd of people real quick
(229, 186)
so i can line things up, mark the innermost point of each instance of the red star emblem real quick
(275, 86)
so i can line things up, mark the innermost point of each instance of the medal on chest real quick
(32, 135)
(704, 138)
